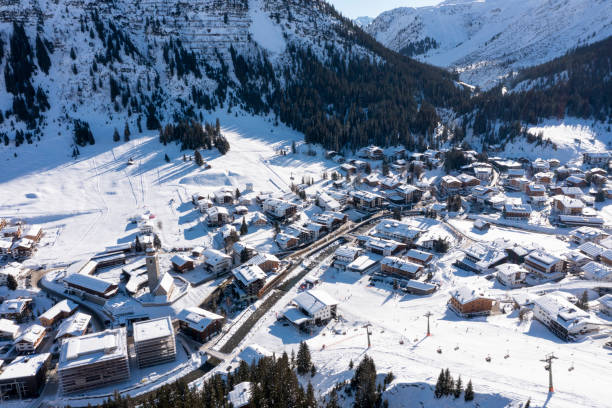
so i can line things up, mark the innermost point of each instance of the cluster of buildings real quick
(19, 240)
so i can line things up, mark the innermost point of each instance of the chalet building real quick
(279, 208)
(9, 330)
(348, 168)
(371, 152)
(286, 241)
(57, 312)
(331, 219)
(266, 262)
(397, 230)
(576, 181)
(517, 253)
(597, 272)
(482, 194)
(249, 279)
(596, 159)
(467, 302)
(400, 267)
(16, 309)
(372, 180)
(242, 252)
(544, 265)
(408, 193)
(32, 232)
(381, 246)
(30, 339)
(366, 200)
(217, 262)
(563, 318)
(480, 258)
(511, 275)
(311, 307)
(544, 178)
(605, 304)
(181, 263)
(592, 250)
(13, 269)
(467, 182)
(420, 257)
(218, 216)
(483, 173)
(389, 183)
(540, 165)
(572, 192)
(575, 261)
(204, 204)
(11, 231)
(344, 255)
(450, 185)
(520, 212)
(74, 326)
(517, 184)
(515, 173)
(587, 234)
(86, 286)
(567, 206)
(23, 248)
(535, 190)
(93, 360)
(25, 376)
(606, 257)
(224, 196)
(200, 324)
(5, 246)
(327, 202)
(154, 342)
(258, 219)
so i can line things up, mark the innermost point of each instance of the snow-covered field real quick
(83, 205)
(464, 345)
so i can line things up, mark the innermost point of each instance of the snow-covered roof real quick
(180, 260)
(401, 264)
(248, 273)
(31, 334)
(240, 395)
(24, 366)
(561, 310)
(464, 294)
(153, 329)
(214, 257)
(540, 258)
(517, 208)
(314, 300)
(568, 202)
(606, 301)
(361, 264)
(165, 285)
(74, 325)
(263, 257)
(587, 233)
(389, 227)
(509, 269)
(11, 306)
(596, 271)
(448, 179)
(420, 255)
(215, 211)
(85, 267)
(347, 251)
(253, 353)
(591, 249)
(92, 348)
(197, 319)
(9, 327)
(92, 283)
(64, 306)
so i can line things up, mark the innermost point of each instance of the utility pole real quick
(549, 360)
(369, 333)
(428, 315)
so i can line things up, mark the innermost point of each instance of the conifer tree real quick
(166, 158)
(244, 229)
(237, 194)
(126, 133)
(11, 282)
(458, 388)
(156, 242)
(303, 359)
(469, 392)
(116, 136)
(583, 302)
(439, 391)
(333, 400)
(198, 158)
(364, 384)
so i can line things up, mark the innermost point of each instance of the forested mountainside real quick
(486, 40)
(146, 63)
(579, 84)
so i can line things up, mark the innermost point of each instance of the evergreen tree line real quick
(193, 135)
(577, 84)
(447, 386)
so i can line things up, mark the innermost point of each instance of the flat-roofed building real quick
(25, 376)
(154, 341)
(93, 360)
(199, 323)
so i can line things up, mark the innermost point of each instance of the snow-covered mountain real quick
(485, 40)
(116, 61)
(363, 21)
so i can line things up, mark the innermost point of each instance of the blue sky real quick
(372, 8)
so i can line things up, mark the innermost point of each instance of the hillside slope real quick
(486, 40)
(147, 63)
